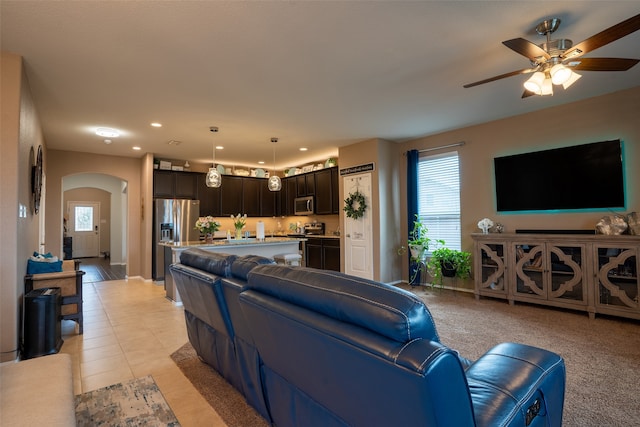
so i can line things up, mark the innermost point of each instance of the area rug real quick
(221, 396)
(137, 402)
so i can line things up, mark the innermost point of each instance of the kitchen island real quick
(267, 247)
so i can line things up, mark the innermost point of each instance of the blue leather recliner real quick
(339, 350)
(311, 347)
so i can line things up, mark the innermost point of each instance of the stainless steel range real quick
(314, 229)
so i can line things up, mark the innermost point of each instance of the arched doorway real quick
(111, 193)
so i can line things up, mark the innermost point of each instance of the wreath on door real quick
(355, 205)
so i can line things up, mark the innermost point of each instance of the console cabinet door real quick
(552, 272)
(491, 268)
(618, 286)
(567, 274)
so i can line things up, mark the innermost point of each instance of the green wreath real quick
(355, 199)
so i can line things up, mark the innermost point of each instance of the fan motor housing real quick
(557, 47)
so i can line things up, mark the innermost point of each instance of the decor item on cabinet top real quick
(612, 225)
(634, 223)
(331, 161)
(485, 224)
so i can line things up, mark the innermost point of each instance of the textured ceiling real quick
(315, 74)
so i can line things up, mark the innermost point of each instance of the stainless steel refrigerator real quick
(174, 220)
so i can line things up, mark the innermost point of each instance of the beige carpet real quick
(137, 402)
(602, 356)
(222, 396)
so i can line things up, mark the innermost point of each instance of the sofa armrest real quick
(516, 384)
(38, 392)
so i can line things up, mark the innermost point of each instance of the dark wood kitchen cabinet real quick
(323, 253)
(251, 196)
(175, 185)
(327, 197)
(305, 184)
(269, 200)
(209, 197)
(231, 197)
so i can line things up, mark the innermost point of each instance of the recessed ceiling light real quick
(156, 125)
(174, 142)
(219, 147)
(136, 147)
(108, 141)
(107, 132)
(303, 148)
(261, 162)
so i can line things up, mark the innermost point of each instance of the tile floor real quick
(130, 329)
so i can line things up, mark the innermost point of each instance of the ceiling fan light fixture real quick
(535, 82)
(560, 74)
(574, 78)
(547, 87)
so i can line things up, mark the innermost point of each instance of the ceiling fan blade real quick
(527, 93)
(501, 76)
(526, 48)
(607, 36)
(601, 64)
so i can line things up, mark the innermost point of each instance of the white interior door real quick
(358, 242)
(84, 228)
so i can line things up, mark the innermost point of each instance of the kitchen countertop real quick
(252, 241)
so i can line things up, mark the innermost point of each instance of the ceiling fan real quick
(554, 62)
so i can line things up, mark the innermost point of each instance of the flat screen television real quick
(586, 176)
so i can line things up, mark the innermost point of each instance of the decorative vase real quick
(238, 233)
(208, 238)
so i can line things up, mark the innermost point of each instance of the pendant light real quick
(275, 184)
(214, 179)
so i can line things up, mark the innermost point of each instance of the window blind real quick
(439, 197)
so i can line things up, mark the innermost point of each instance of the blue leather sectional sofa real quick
(312, 347)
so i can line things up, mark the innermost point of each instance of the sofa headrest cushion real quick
(243, 265)
(211, 262)
(387, 310)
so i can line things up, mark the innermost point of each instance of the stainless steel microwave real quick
(303, 206)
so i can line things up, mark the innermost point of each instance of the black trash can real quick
(42, 328)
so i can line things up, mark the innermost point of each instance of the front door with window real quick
(84, 218)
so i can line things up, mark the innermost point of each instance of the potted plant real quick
(419, 241)
(449, 263)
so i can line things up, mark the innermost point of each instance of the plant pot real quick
(447, 269)
(418, 252)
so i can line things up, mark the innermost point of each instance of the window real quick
(83, 218)
(439, 197)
